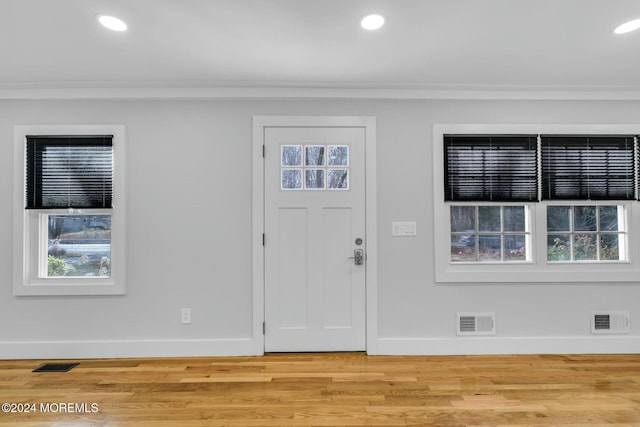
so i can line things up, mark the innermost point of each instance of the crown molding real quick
(303, 92)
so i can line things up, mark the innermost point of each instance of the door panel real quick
(293, 268)
(338, 298)
(314, 212)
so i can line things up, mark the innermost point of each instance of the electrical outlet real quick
(186, 315)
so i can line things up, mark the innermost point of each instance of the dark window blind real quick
(496, 168)
(582, 167)
(69, 171)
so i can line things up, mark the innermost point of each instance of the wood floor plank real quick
(342, 389)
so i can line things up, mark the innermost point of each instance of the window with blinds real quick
(496, 168)
(69, 171)
(529, 203)
(588, 167)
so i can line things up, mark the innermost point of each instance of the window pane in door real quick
(314, 155)
(314, 179)
(291, 179)
(338, 179)
(338, 155)
(291, 155)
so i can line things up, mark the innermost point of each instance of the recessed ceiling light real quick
(112, 23)
(372, 22)
(627, 27)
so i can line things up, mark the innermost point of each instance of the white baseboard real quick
(509, 345)
(385, 346)
(126, 349)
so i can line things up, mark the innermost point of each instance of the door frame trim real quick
(258, 225)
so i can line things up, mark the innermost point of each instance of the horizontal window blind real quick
(69, 171)
(496, 168)
(588, 167)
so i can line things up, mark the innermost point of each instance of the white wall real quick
(189, 238)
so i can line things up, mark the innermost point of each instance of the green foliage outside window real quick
(56, 266)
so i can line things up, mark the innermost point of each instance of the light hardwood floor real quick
(348, 389)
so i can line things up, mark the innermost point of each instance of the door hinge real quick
(263, 151)
(263, 239)
(264, 328)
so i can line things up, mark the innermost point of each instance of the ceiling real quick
(502, 45)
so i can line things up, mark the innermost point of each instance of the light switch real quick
(403, 228)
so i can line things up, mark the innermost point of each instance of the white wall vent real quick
(476, 323)
(610, 322)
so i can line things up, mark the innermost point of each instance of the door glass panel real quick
(291, 179)
(306, 167)
(314, 155)
(291, 155)
(338, 179)
(314, 179)
(338, 155)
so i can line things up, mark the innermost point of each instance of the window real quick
(70, 210)
(487, 168)
(76, 245)
(490, 168)
(591, 167)
(489, 233)
(536, 203)
(586, 233)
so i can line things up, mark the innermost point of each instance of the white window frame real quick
(527, 233)
(537, 269)
(623, 232)
(28, 223)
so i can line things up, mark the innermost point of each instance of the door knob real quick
(358, 256)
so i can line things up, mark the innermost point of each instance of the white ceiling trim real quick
(313, 93)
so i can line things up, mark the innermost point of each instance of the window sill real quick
(480, 263)
(68, 289)
(533, 273)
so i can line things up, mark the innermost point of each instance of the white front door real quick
(315, 248)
